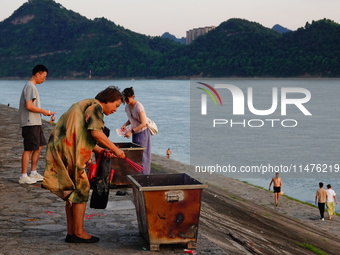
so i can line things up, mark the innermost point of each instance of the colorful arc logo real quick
(204, 97)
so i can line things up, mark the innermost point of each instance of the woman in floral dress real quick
(78, 133)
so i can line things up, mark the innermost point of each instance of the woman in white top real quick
(139, 131)
(331, 198)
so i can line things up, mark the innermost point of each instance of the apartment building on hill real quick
(196, 32)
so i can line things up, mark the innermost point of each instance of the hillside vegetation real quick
(43, 31)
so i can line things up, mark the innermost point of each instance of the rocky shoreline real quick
(236, 218)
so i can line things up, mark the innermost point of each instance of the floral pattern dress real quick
(69, 148)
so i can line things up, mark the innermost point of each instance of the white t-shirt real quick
(28, 118)
(330, 195)
(133, 115)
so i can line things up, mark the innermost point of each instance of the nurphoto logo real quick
(253, 127)
(245, 101)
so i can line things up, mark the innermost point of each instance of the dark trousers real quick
(321, 209)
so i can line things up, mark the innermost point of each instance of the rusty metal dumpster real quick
(122, 168)
(168, 208)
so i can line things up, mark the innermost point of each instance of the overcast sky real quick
(154, 17)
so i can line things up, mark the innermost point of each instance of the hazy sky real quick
(154, 17)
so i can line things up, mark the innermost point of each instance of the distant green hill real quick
(247, 49)
(280, 29)
(43, 31)
(173, 38)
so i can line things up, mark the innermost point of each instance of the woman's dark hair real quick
(110, 94)
(128, 92)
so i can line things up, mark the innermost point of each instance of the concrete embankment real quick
(236, 218)
(32, 220)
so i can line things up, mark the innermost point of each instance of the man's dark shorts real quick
(33, 137)
(277, 189)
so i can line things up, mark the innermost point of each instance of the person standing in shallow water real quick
(139, 131)
(277, 187)
(72, 141)
(168, 153)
